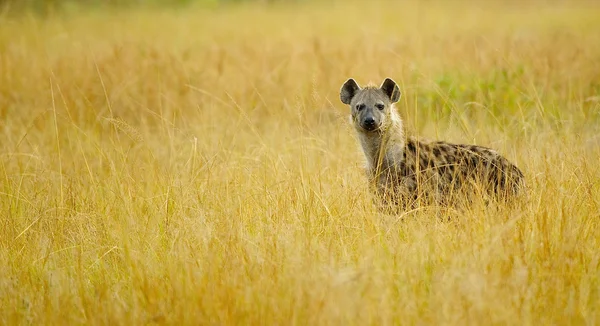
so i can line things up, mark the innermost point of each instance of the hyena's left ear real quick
(391, 89)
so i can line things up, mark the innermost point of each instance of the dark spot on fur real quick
(475, 149)
(502, 181)
(411, 147)
(473, 161)
(451, 167)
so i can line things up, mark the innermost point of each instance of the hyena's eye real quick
(360, 107)
(380, 106)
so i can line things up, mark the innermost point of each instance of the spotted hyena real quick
(404, 170)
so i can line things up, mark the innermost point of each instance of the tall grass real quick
(197, 167)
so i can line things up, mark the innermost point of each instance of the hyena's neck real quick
(384, 149)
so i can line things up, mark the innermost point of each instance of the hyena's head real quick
(371, 107)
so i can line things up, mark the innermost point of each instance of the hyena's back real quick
(445, 168)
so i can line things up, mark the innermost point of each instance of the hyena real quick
(404, 171)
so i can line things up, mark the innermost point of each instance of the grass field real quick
(195, 165)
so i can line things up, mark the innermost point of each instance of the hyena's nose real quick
(369, 122)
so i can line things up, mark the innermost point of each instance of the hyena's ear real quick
(391, 89)
(348, 91)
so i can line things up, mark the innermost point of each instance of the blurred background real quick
(44, 6)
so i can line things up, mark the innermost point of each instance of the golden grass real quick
(196, 166)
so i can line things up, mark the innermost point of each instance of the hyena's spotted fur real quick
(404, 169)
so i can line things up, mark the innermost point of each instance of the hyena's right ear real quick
(391, 89)
(348, 91)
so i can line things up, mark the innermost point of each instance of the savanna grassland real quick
(195, 166)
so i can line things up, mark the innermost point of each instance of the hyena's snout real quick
(369, 122)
